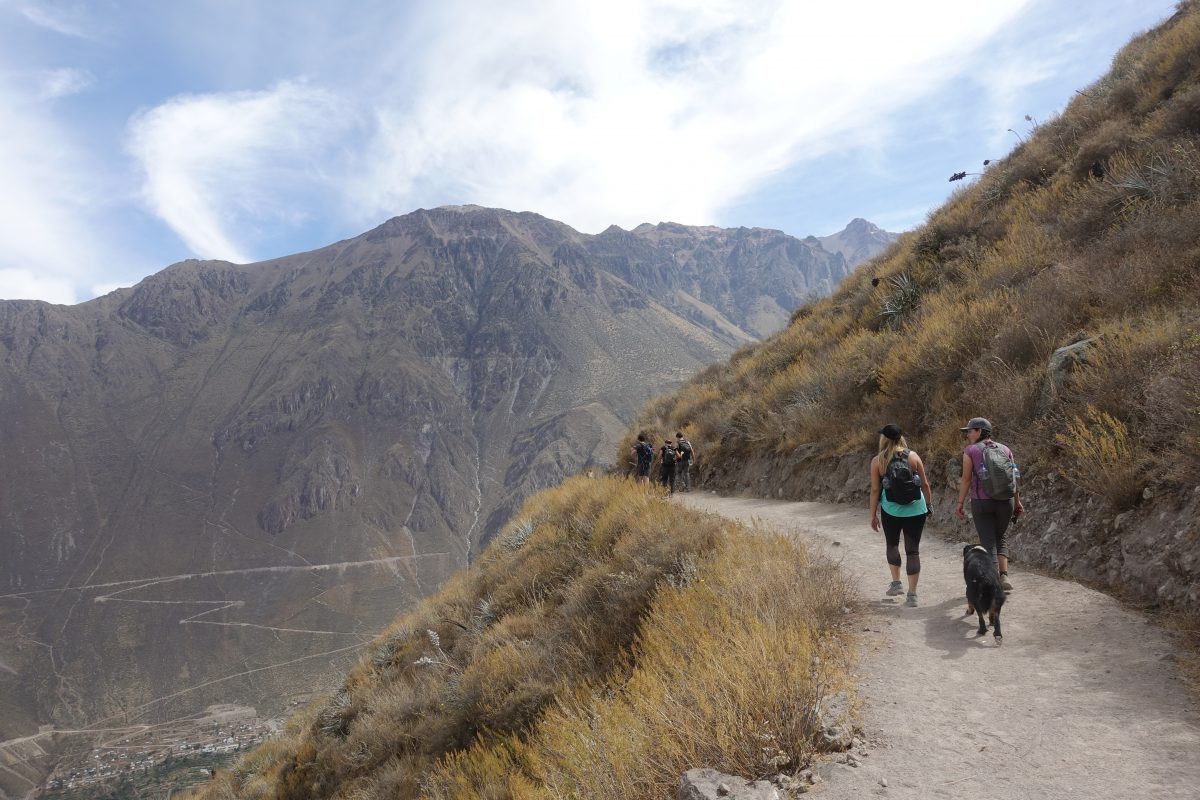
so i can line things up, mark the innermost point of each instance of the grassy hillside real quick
(605, 643)
(1088, 230)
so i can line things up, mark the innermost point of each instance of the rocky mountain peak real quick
(861, 240)
(858, 224)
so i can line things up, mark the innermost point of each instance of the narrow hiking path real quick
(1084, 700)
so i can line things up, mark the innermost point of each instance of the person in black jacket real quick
(687, 457)
(669, 456)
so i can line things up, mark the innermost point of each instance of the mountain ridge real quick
(193, 452)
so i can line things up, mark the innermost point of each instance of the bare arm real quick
(875, 477)
(964, 484)
(1018, 506)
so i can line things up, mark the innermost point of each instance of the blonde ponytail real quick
(888, 449)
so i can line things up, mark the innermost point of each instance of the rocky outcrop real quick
(182, 304)
(1063, 362)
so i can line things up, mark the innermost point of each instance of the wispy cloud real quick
(64, 82)
(67, 19)
(46, 240)
(667, 111)
(218, 164)
(590, 113)
(281, 126)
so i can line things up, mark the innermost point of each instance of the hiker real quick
(687, 457)
(643, 453)
(669, 458)
(900, 501)
(990, 475)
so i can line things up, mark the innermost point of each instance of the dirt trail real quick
(1084, 700)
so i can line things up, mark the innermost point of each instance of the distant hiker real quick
(900, 498)
(990, 475)
(687, 457)
(643, 453)
(669, 458)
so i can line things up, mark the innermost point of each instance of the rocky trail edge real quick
(1084, 700)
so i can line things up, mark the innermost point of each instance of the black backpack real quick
(645, 453)
(668, 455)
(902, 484)
(685, 450)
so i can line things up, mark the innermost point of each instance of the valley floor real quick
(1085, 698)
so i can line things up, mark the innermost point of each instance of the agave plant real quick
(903, 302)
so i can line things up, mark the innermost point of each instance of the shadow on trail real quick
(947, 630)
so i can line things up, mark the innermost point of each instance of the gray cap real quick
(978, 422)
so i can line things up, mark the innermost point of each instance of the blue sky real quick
(137, 134)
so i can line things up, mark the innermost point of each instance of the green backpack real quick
(997, 471)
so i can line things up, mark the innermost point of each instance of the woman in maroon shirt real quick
(990, 515)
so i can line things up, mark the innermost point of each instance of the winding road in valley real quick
(1084, 700)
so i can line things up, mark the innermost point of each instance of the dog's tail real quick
(992, 596)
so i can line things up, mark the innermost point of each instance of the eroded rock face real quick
(243, 472)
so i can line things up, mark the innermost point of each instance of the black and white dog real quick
(984, 592)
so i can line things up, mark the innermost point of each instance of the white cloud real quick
(64, 82)
(216, 163)
(590, 113)
(101, 289)
(23, 284)
(46, 239)
(626, 112)
(64, 19)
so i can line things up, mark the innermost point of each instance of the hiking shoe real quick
(911, 600)
(894, 588)
(1004, 584)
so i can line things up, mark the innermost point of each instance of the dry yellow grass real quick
(606, 642)
(1101, 457)
(1089, 226)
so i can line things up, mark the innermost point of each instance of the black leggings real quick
(991, 518)
(911, 527)
(668, 476)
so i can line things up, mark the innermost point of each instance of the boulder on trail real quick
(709, 784)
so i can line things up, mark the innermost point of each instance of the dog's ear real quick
(967, 549)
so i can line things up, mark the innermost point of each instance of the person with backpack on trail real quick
(990, 475)
(900, 502)
(687, 457)
(643, 453)
(670, 456)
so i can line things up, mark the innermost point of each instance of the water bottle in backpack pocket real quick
(997, 471)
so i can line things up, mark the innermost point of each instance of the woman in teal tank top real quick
(900, 502)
